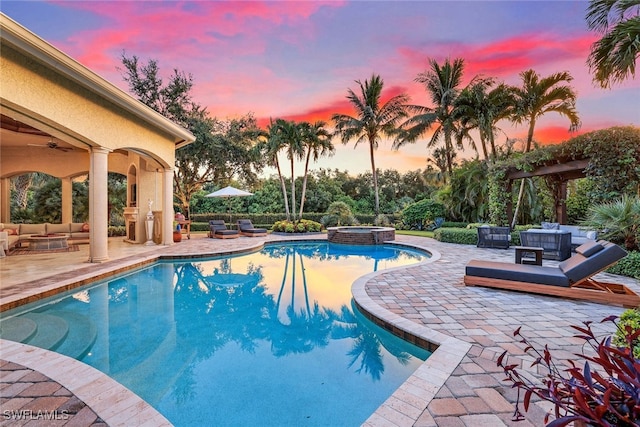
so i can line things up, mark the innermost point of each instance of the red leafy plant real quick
(604, 391)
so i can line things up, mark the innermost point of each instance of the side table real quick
(522, 250)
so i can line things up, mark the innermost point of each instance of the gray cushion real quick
(517, 272)
(589, 248)
(550, 225)
(579, 267)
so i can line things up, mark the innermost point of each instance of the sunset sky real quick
(296, 59)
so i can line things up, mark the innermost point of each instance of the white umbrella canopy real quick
(227, 192)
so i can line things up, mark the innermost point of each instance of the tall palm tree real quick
(613, 57)
(291, 134)
(271, 148)
(537, 97)
(317, 141)
(442, 84)
(372, 120)
(480, 108)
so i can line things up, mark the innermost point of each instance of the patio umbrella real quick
(227, 192)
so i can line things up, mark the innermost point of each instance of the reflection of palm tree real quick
(307, 328)
(367, 344)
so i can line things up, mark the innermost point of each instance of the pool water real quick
(269, 338)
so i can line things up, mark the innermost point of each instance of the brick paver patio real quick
(430, 295)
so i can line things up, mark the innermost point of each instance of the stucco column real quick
(67, 200)
(5, 200)
(167, 207)
(98, 215)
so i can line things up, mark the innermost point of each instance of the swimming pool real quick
(268, 338)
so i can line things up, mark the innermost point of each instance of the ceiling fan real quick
(53, 145)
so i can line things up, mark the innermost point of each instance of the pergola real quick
(60, 118)
(557, 175)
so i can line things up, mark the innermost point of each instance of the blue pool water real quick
(269, 338)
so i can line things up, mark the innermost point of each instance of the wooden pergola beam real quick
(572, 167)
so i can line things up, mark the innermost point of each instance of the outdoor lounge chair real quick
(246, 229)
(571, 279)
(219, 230)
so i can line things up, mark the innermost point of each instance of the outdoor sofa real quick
(579, 235)
(219, 230)
(246, 228)
(77, 232)
(572, 278)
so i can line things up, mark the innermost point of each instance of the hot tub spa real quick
(358, 235)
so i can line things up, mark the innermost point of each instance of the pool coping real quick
(403, 408)
(407, 403)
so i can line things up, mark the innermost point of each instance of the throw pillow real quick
(550, 225)
(85, 227)
(11, 231)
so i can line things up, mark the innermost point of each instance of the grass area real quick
(415, 233)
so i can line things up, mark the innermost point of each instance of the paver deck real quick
(460, 385)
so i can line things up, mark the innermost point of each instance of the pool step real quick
(81, 337)
(65, 332)
(51, 331)
(17, 329)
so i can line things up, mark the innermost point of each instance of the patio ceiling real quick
(14, 133)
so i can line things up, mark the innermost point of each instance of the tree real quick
(479, 108)
(537, 97)
(613, 57)
(221, 149)
(442, 84)
(317, 142)
(372, 120)
(271, 147)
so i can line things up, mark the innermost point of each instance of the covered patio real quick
(62, 119)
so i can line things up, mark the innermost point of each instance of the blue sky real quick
(296, 59)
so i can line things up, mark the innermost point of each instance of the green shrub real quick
(301, 226)
(627, 266)
(420, 214)
(466, 236)
(452, 224)
(630, 318)
(456, 235)
(339, 213)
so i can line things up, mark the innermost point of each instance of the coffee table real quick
(47, 242)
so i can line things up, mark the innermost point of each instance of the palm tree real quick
(291, 134)
(613, 57)
(317, 141)
(271, 148)
(442, 84)
(620, 219)
(537, 97)
(372, 120)
(479, 108)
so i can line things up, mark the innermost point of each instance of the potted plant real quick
(177, 232)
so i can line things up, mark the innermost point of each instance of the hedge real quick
(267, 220)
(466, 236)
(627, 266)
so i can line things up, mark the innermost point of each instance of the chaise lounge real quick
(219, 230)
(246, 228)
(571, 279)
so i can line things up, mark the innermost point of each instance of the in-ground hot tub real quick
(358, 235)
